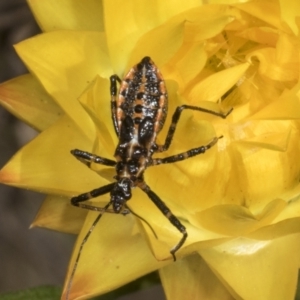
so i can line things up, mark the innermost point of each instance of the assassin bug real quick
(138, 112)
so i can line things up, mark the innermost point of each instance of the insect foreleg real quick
(175, 119)
(113, 94)
(184, 155)
(76, 201)
(87, 158)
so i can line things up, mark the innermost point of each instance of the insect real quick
(139, 112)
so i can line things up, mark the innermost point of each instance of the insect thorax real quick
(141, 113)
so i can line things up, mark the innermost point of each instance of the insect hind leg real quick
(168, 214)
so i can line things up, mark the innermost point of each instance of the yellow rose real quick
(239, 201)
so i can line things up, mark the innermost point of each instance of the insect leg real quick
(105, 208)
(113, 93)
(184, 155)
(175, 119)
(76, 201)
(87, 158)
(167, 212)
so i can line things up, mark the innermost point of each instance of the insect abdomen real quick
(143, 98)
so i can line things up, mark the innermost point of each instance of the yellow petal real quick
(277, 230)
(46, 164)
(191, 278)
(263, 35)
(26, 99)
(167, 38)
(273, 135)
(290, 14)
(292, 209)
(114, 255)
(97, 104)
(249, 268)
(59, 15)
(216, 85)
(259, 9)
(236, 220)
(125, 26)
(192, 181)
(258, 165)
(186, 64)
(286, 107)
(287, 222)
(167, 234)
(57, 213)
(271, 66)
(165, 42)
(206, 22)
(65, 62)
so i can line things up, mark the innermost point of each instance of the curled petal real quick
(96, 101)
(270, 66)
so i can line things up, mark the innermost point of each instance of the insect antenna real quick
(145, 221)
(81, 247)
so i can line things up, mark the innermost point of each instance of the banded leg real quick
(87, 158)
(113, 93)
(167, 212)
(184, 155)
(76, 201)
(105, 208)
(175, 119)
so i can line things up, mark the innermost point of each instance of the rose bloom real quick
(239, 201)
